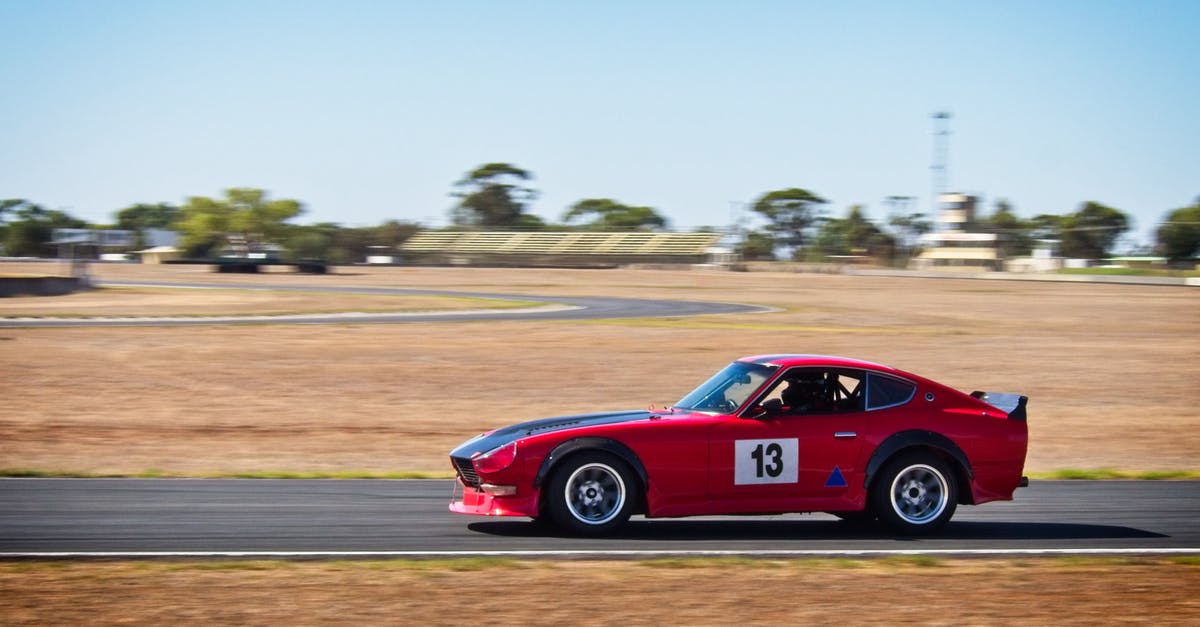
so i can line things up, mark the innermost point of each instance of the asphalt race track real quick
(557, 308)
(361, 518)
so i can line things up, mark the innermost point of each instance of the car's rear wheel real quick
(915, 494)
(591, 493)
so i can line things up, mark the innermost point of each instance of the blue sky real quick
(371, 110)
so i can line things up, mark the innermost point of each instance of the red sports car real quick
(765, 435)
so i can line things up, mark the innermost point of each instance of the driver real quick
(805, 394)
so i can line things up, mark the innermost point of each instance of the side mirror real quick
(773, 407)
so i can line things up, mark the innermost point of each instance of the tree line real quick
(1091, 232)
(792, 223)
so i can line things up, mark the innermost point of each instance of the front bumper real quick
(467, 500)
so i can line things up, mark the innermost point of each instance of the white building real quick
(952, 246)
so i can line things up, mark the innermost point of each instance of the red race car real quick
(765, 435)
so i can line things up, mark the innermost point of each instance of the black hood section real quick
(505, 435)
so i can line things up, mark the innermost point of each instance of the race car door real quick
(799, 456)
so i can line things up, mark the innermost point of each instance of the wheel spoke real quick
(595, 494)
(919, 494)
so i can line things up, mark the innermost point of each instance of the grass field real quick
(1111, 370)
(917, 590)
(1131, 272)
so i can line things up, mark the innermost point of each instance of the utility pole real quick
(941, 157)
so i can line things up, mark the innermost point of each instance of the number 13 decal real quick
(765, 461)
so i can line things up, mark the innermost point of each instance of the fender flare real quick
(565, 449)
(915, 439)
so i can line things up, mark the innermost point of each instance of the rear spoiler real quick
(1011, 404)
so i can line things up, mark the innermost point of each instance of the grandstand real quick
(555, 248)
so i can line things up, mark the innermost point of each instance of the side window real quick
(885, 391)
(807, 391)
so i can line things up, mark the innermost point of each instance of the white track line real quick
(599, 554)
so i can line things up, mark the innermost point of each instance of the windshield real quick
(728, 389)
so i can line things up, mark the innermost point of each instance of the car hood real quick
(505, 435)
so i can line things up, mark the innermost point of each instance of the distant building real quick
(1043, 258)
(954, 245)
(158, 254)
(153, 238)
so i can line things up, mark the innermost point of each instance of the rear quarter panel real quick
(994, 445)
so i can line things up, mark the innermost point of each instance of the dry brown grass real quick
(955, 592)
(1111, 370)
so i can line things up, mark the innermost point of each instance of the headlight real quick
(496, 459)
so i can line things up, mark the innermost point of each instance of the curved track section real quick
(361, 518)
(557, 308)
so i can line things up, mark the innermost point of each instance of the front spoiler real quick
(467, 500)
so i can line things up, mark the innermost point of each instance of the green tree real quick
(354, 245)
(203, 226)
(908, 229)
(1046, 226)
(907, 226)
(853, 235)
(29, 227)
(140, 217)
(791, 214)
(609, 215)
(1012, 233)
(1178, 236)
(10, 205)
(492, 198)
(1091, 232)
(310, 242)
(757, 246)
(7, 206)
(256, 216)
(337, 244)
(392, 233)
(349, 245)
(205, 223)
(146, 216)
(530, 222)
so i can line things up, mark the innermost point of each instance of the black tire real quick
(915, 493)
(591, 493)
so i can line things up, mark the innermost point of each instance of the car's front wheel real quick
(591, 493)
(915, 494)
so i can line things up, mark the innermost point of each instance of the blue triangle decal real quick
(835, 480)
